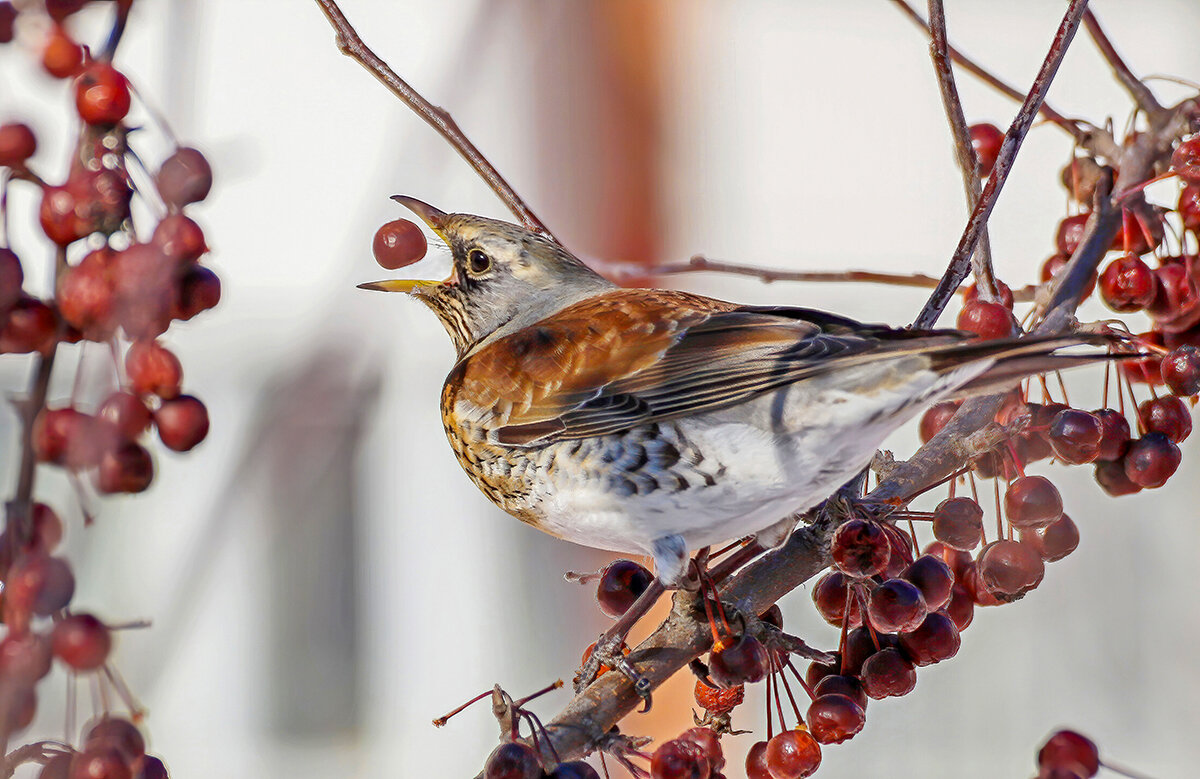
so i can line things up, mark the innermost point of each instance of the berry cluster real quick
(117, 285)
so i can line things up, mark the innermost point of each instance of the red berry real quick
(1175, 297)
(1004, 294)
(18, 704)
(622, 582)
(679, 759)
(933, 578)
(39, 583)
(1151, 460)
(398, 243)
(1111, 477)
(958, 523)
(896, 606)
(989, 321)
(30, 326)
(1053, 266)
(81, 641)
(102, 94)
(182, 422)
(1115, 433)
(1009, 569)
(153, 370)
(986, 140)
(57, 215)
(829, 595)
(58, 767)
(888, 673)
(1081, 176)
(1181, 370)
(59, 10)
(756, 762)
(179, 238)
(936, 639)
(125, 468)
(901, 551)
(816, 672)
(17, 144)
(125, 413)
(100, 762)
(1058, 539)
(12, 277)
(957, 559)
(793, 754)
(1070, 232)
(47, 528)
(576, 769)
(860, 645)
(1032, 501)
(745, 661)
(199, 290)
(1128, 284)
(936, 418)
(62, 57)
(1071, 751)
(1076, 436)
(1167, 415)
(836, 684)
(709, 743)
(24, 657)
(56, 432)
(1189, 207)
(8, 18)
(185, 177)
(860, 548)
(87, 297)
(716, 700)
(153, 768)
(961, 608)
(119, 734)
(1185, 160)
(835, 718)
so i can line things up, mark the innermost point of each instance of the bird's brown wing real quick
(631, 357)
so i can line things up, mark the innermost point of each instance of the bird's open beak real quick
(431, 216)
(411, 286)
(436, 219)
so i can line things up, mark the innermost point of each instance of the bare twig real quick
(1140, 93)
(985, 279)
(960, 261)
(350, 44)
(1069, 125)
(699, 264)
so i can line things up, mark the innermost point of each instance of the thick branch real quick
(960, 261)
(1141, 94)
(985, 279)
(350, 44)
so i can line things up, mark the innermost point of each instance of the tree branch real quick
(985, 279)
(1141, 94)
(1071, 126)
(960, 260)
(350, 44)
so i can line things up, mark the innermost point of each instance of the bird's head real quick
(503, 274)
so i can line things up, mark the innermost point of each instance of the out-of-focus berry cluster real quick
(116, 284)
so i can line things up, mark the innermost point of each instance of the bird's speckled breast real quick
(648, 460)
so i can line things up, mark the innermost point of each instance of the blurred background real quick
(321, 577)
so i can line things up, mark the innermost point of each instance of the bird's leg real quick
(671, 564)
(608, 646)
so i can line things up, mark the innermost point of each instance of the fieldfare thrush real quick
(654, 422)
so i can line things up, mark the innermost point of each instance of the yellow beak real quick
(411, 286)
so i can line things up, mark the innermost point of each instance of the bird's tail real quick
(1017, 359)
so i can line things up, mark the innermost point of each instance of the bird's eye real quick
(478, 262)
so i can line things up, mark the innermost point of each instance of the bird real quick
(656, 422)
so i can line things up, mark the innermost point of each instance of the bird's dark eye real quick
(478, 262)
